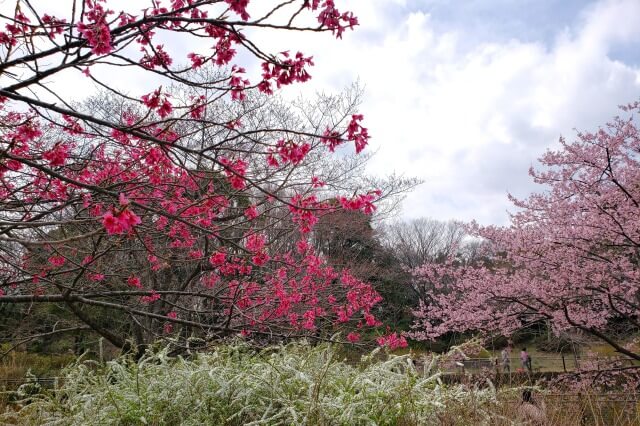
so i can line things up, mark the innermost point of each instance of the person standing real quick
(525, 358)
(506, 361)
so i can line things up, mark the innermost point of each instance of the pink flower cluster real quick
(224, 52)
(392, 341)
(356, 133)
(286, 71)
(54, 25)
(353, 337)
(156, 101)
(291, 152)
(238, 84)
(309, 318)
(332, 19)
(218, 259)
(168, 327)
(255, 242)
(240, 7)
(331, 139)
(362, 202)
(57, 261)
(251, 212)
(235, 171)
(154, 296)
(95, 30)
(73, 126)
(58, 155)
(301, 208)
(196, 60)
(120, 223)
(158, 57)
(134, 281)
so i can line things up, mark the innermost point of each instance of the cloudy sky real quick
(467, 94)
(464, 94)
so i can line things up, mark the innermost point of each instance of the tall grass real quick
(15, 364)
(234, 385)
(296, 384)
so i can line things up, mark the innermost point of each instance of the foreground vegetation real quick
(294, 384)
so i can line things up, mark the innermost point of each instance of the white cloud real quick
(470, 118)
(466, 113)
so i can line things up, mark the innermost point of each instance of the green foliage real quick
(234, 385)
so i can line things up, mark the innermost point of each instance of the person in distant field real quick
(506, 361)
(532, 410)
(525, 358)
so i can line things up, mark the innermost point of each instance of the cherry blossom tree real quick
(570, 257)
(149, 215)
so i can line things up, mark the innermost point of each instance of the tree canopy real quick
(140, 212)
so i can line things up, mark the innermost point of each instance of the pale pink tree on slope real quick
(570, 257)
